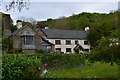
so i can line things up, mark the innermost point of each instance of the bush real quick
(18, 50)
(7, 44)
(22, 66)
(60, 60)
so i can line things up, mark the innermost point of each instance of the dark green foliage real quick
(7, 44)
(94, 36)
(76, 50)
(60, 60)
(26, 66)
(22, 66)
(12, 27)
(18, 50)
(103, 52)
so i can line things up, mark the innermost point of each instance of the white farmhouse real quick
(65, 41)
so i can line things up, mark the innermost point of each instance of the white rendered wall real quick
(63, 45)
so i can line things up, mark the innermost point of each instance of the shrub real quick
(7, 44)
(22, 66)
(18, 50)
(60, 60)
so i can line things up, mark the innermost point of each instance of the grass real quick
(101, 70)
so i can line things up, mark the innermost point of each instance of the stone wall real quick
(38, 42)
(6, 26)
(17, 41)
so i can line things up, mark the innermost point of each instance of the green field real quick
(101, 70)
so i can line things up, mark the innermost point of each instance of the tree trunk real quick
(112, 59)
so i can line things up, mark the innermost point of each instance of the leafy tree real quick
(104, 52)
(94, 36)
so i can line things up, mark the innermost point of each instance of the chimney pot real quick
(19, 24)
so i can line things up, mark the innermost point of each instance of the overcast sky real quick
(43, 10)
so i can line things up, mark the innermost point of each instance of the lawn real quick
(101, 70)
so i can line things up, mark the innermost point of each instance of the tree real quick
(81, 22)
(30, 20)
(94, 36)
(104, 52)
(17, 5)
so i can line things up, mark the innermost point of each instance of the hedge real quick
(59, 60)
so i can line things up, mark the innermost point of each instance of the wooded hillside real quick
(100, 24)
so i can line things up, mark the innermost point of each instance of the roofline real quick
(47, 41)
(23, 28)
(63, 29)
(43, 32)
(66, 38)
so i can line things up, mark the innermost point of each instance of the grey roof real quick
(64, 34)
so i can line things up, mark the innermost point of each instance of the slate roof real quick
(64, 34)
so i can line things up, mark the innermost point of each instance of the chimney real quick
(6, 24)
(19, 24)
(87, 28)
(46, 27)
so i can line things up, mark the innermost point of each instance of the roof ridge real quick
(63, 29)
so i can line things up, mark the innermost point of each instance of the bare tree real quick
(17, 5)
(31, 20)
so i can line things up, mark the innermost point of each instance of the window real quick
(86, 43)
(58, 49)
(68, 42)
(28, 40)
(46, 48)
(57, 42)
(76, 41)
(68, 49)
(86, 50)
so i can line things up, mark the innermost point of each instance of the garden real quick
(36, 66)
(101, 62)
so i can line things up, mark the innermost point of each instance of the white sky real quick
(40, 10)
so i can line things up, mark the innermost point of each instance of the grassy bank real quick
(101, 70)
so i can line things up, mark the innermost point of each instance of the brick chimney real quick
(19, 24)
(6, 26)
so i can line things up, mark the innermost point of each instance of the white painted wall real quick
(63, 45)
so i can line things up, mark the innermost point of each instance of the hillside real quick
(100, 24)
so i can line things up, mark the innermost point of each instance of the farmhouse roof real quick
(64, 34)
